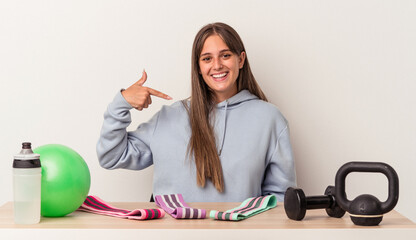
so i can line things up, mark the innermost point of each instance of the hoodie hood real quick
(222, 112)
(240, 97)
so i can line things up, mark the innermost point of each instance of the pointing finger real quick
(159, 94)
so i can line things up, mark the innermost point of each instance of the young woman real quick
(224, 143)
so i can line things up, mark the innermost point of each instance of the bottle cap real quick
(26, 158)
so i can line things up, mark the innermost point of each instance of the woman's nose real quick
(217, 64)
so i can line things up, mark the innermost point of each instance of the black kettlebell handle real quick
(379, 167)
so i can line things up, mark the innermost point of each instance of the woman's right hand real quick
(139, 97)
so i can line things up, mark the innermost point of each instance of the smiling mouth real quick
(220, 76)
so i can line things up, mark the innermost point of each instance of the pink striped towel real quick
(94, 204)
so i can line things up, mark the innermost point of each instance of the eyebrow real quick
(224, 50)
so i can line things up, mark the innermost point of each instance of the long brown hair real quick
(202, 142)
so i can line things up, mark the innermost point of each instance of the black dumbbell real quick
(296, 203)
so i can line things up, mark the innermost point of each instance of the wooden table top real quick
(272, 219)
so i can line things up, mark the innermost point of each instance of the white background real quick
(342, 72)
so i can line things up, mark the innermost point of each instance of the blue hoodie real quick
(252, 139)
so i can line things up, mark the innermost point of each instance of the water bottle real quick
(27, 174)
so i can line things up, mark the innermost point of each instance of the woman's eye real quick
(206, 59)
(227, 55)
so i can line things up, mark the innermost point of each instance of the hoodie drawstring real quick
(223, 131)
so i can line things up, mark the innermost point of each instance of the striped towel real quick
(94, 204)
(248, 208)
(174, 205)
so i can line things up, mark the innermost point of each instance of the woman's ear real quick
(242, 59)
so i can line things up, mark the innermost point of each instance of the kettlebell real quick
(366, 209)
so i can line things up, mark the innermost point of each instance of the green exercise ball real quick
(65, 180)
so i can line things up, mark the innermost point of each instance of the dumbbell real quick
(296, 203)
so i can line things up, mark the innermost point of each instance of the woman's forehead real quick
(214, 44)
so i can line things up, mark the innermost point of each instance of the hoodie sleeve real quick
(117, 148)
(280, 172)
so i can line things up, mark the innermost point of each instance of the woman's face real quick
(219, 67)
